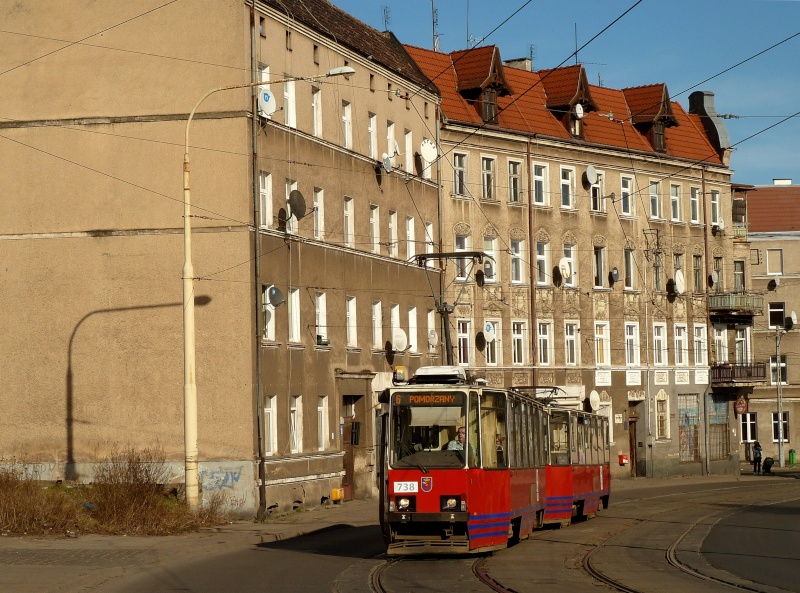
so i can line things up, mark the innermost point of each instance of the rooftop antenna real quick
(576, 43)
(387, 18)
(467, 23)
(435, 26)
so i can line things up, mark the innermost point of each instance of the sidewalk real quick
(60, 564)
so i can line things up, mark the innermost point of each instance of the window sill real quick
(322, 348)
(543, 206)
(265, 343)
(296, 346)
(569, 209)
(353, 350)
(598, 213)
(516, 203)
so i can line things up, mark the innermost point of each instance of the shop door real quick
(633, 418)
(351, 437)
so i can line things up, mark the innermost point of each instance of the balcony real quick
(736, 303)
(739, 232)
(738, 373)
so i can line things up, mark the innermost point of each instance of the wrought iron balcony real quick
(739, 232)
(738, 372)
(736, 303)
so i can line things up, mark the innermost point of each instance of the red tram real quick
(465, 467)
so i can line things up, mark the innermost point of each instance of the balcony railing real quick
(739, 232)
(743, 303)
(739, 372)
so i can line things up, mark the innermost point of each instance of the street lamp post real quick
(189, 376)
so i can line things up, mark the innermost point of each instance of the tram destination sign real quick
(421, 398)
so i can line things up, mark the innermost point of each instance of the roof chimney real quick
(702, 103)
(522, 63)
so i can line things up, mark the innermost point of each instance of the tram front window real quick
(425, 430)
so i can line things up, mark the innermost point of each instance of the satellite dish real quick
(565, 267)
(428, 150)
(721, 224)
(614, 274)
(488, 269)
(578, 111)
(387, 163)
(266, 101)
(297, 204)
(488, 332)
(433, 338)
(399, 340)
(591, 175)
(790, 322)
(714, 277)
(680, 282)
(275, 296)
(594, 400)
(773, 284)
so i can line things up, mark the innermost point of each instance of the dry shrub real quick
(27, 507)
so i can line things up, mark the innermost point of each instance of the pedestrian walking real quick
(756, 458)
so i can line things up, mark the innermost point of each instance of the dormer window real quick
(659, 143)
(489, 102)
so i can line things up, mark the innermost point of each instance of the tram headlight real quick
(403, 504)
(451, 503)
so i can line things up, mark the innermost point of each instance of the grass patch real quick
(127, 496)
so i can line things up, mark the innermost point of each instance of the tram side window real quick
(493, 430)
(593, 421)
(559, 439)
(525, 436)
(543, 449)
(513, 433)
(604, 440)
(473, 429)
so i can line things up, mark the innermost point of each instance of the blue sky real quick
(678, 42)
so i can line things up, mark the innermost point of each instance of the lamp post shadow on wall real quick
(70, 469)
(189, 380)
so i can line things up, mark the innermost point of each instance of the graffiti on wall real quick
(221, 479)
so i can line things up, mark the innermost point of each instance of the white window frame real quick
(600, 280)
(783, 370)
(514, 181)
(774, 254)
(544, 336)
(517, 269)
(377, 326)
(426, 166)
(675, 202)
(393, 247)
(572, 343)
(660, 350)
(429, 242)
(492, 351)
(411, 240)
(596, 191)
(347, 125)
(390, 139)
(431, 327)
(662, 396)
(269, 313)
(321, 315)
(348, 223)
(293, 306)
(542, 263)
(372, 133)
(776, 307)
(413, 332)
(629, 261)
(632, 344)
(408, 140)
(780, 429)
(460, 174)
(519, 350)
(715, 207)
(490, 249)
(694, 205)
(741, 341)
(626, 195)
(541, 195)
(375, 227)
(567, 184)
(488, 168)
(290, 104)
(316, 109)
(322, 422)
(462, 265)
(394, 320)
(571, 255)
(602, 344)
(700, 341)
(748, 421)
(351, 318)
(463, 338)
(319, 213)
(265, 199)
(296, 423)
(270, 420)
(680, 332)
(291, 219)
(721, 343)
(655, 199)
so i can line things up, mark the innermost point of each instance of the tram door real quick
(351, 437)
(633, 418)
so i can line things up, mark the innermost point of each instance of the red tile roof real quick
(774, 208)
(341, 27)
(526, 110)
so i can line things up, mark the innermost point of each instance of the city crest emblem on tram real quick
(427, 484)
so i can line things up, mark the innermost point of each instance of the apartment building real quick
(308, 202)
(769, 414)
(599, 213)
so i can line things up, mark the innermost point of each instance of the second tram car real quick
(465, 467)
